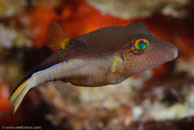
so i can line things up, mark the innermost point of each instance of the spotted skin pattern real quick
(102, 57)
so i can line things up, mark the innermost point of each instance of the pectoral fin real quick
(117, 61)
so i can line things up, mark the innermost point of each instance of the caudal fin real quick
(17, 96)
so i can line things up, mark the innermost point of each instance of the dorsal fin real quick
(57, 37)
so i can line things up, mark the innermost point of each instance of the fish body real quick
(102, 57)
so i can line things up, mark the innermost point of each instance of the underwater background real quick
(157, 99)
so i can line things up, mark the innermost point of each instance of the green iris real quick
(142, 45)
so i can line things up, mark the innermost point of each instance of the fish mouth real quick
(171, 51)
(175, 53)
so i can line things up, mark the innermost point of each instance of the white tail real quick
(18, 95)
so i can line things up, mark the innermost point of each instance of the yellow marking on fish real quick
(121, 63)
(57, 37)
(64, 43)
(20, 97)
(115, 65)
(17, 91)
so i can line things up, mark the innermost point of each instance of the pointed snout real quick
(175, 50)
(170, 50)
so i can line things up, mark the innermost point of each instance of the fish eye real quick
(141, 44)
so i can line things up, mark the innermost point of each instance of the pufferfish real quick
(103, 57)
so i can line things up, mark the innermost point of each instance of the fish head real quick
(145, 51)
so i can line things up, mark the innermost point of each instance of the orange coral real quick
(83, 18)
(4, 94)
(41, 17)
(77, 17)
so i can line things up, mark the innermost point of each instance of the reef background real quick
(161, 98)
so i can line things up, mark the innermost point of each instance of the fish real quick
(102, 57)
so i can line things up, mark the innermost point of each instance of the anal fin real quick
(63, 87)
